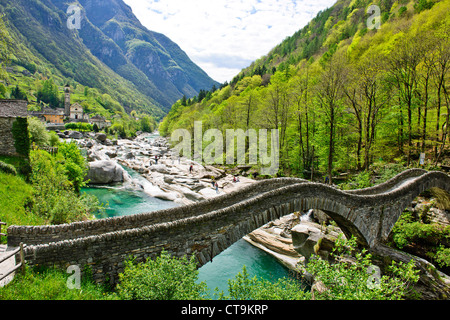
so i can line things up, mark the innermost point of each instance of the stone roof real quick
(13, 108)
(76, 105)
(57, 112)
(47, 111)
(98, 117)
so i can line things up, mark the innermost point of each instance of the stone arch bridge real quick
(209, 227)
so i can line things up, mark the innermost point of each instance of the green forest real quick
(344, 97)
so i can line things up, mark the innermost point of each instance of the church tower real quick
(67, 101)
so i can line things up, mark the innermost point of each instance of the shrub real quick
(442, 256)
(358, 278)
(345, 279)
(165, 278)
(80, 126)
(16, 199)
(21, 139)
(360, 181)
(53, 139)
(407, 231)
(7, 168)
(242, 287)
(69, 155)
(38, 132)
(55, 198)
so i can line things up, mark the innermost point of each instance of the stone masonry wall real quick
(7, 140)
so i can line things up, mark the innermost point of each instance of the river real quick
(122, 200)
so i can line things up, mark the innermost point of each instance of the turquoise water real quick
(123, 201)
(230, 262)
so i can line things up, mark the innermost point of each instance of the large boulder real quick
(101, 137)
(75, 135)
(308, 239)
(106, 172)
(273, 242)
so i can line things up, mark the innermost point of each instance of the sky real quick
(224, 36)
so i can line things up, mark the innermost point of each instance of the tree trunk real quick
(331, 146)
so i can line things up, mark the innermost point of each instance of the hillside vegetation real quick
(343, 96)
(122, 65)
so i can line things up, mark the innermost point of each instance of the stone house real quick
(10, 110)
(76, 112)
(100, 121)
(54, 116)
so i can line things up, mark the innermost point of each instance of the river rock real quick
(274, 242)
(308, 239)
(442, 217)
(160, 168)
(75, 135)
(101, 137)
(111, 153)
(106, 172)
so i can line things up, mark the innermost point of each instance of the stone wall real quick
(206, 229)
(6, 137)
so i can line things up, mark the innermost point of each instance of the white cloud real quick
(224, 36)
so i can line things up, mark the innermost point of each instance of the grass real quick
(51, 284)
(16, 196)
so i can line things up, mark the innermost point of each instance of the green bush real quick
(242, 287)
(407, 231)
(79, 126)
(55, 198)
(21, 139)
(7, 168)
(442, 256)
(76, 166)
(360, 181)
(38, 132)
(53, 139)
(16, 199)
(357, 279)
(345, 279)
(165, 278)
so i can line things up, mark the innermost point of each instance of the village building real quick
(100, 121)
(10, 111)
(49, 115)
(77, 112)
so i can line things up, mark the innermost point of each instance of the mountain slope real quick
(169, 70)
(343, 96)
(111, 51)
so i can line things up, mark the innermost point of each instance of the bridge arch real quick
(208, 228)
